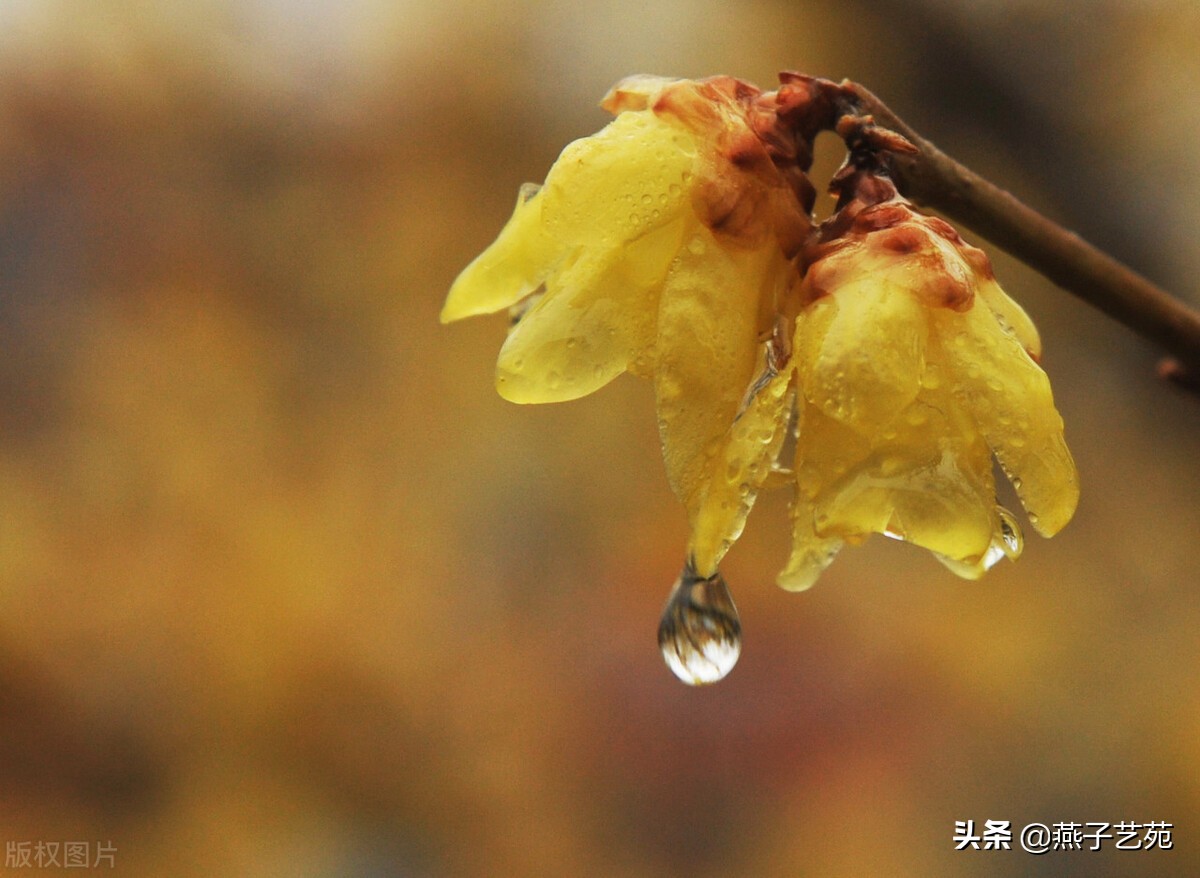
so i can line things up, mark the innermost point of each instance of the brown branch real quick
(932, 178)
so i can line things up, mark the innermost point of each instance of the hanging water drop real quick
(700, 634)
(1010, 534)
(1007, 543)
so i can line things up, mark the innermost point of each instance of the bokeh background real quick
(286, 589)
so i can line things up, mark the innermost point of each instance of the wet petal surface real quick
(707, 349)
(1009, 397)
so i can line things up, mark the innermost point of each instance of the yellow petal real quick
(597, 316)
(810, 554)
(743, 462)
(636, 92)
(706, 352)
(616, 185)
(1009, 397)
(1011, 316)
(862, 350)
(927, 480)
(825, 449)
(510, 269)
(1007, 542)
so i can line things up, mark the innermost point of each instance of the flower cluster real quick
(678, 244)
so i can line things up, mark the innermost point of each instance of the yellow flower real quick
(661, 245)
(677, 244)
(914, 368)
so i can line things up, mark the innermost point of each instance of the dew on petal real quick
(1010, 534)
(609, 267)
(518, 311)
(992, 556)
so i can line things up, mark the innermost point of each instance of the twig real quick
(932, 178)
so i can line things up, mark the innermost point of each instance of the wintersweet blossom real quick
(662, 245)
(677, 244)
(914, 368)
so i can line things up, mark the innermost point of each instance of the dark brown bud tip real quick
(861, 132)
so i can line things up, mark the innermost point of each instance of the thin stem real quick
(930, 177)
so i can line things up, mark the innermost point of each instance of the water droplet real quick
(700, 634)
(517, 312)
(993, 554)
(894, 529)
(647, 198)
(1010, 534)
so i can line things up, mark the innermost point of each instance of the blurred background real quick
(286, 589)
